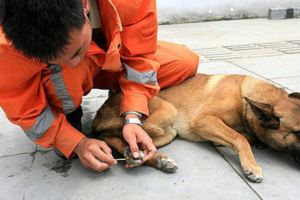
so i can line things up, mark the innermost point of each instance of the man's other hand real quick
(94, 154)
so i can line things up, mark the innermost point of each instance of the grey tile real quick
(272, 67)
(228, 33)
(225, 67)
(292, 83)
(90, 105)
(14, 176)
(281, 173)
(12, 139)
(222, 67)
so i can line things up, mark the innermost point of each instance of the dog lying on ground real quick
(229, 110)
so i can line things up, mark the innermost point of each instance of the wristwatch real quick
(133, 121)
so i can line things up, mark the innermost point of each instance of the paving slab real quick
(281, 173)
(13, 139)
(14, 176)
(291, 83)
(223, 67)
(273, 66)
(227, 67)
(90, 104)
(226, 33)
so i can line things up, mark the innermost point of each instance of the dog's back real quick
(219, 95)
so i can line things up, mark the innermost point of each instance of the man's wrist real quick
(75, 151)
(136, 121)
(132, 114)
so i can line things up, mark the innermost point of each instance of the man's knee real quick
(188, 64)
(179, 63)
(193, 63)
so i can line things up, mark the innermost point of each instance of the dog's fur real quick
(223, 109)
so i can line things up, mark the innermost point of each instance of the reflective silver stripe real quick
(141, 77)
(42, 124)
(61, 90)
(94, 14)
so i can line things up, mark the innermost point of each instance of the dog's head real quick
(276, 124)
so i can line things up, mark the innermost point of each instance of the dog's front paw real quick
(166, 164)
(133, 162)
(254, 174)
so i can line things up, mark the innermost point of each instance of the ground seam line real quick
(241, 176)
(18, 154)
(282, 86)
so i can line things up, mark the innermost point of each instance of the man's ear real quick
(86, 6)
(295, 95)
(264, 113)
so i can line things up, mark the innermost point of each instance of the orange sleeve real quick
(23, 99)
(62, 135)
(139, 43)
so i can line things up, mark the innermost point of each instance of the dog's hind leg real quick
(214, 129)
(159, 125)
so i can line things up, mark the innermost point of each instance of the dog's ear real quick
(295, 95)
(265, 114)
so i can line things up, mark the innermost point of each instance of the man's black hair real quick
(40, 29)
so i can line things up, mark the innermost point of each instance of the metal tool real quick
(121, 159)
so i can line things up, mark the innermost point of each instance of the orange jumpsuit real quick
(37, 96)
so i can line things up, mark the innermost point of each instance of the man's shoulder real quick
(15, 69)
(128, 10)
(129, 4)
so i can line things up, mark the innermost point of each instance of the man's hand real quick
(135, 136)
(94, 154)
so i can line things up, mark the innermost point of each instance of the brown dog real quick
(223, 109)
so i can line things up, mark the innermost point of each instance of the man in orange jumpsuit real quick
(52, 52)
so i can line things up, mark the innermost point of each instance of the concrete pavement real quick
(262, 48)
